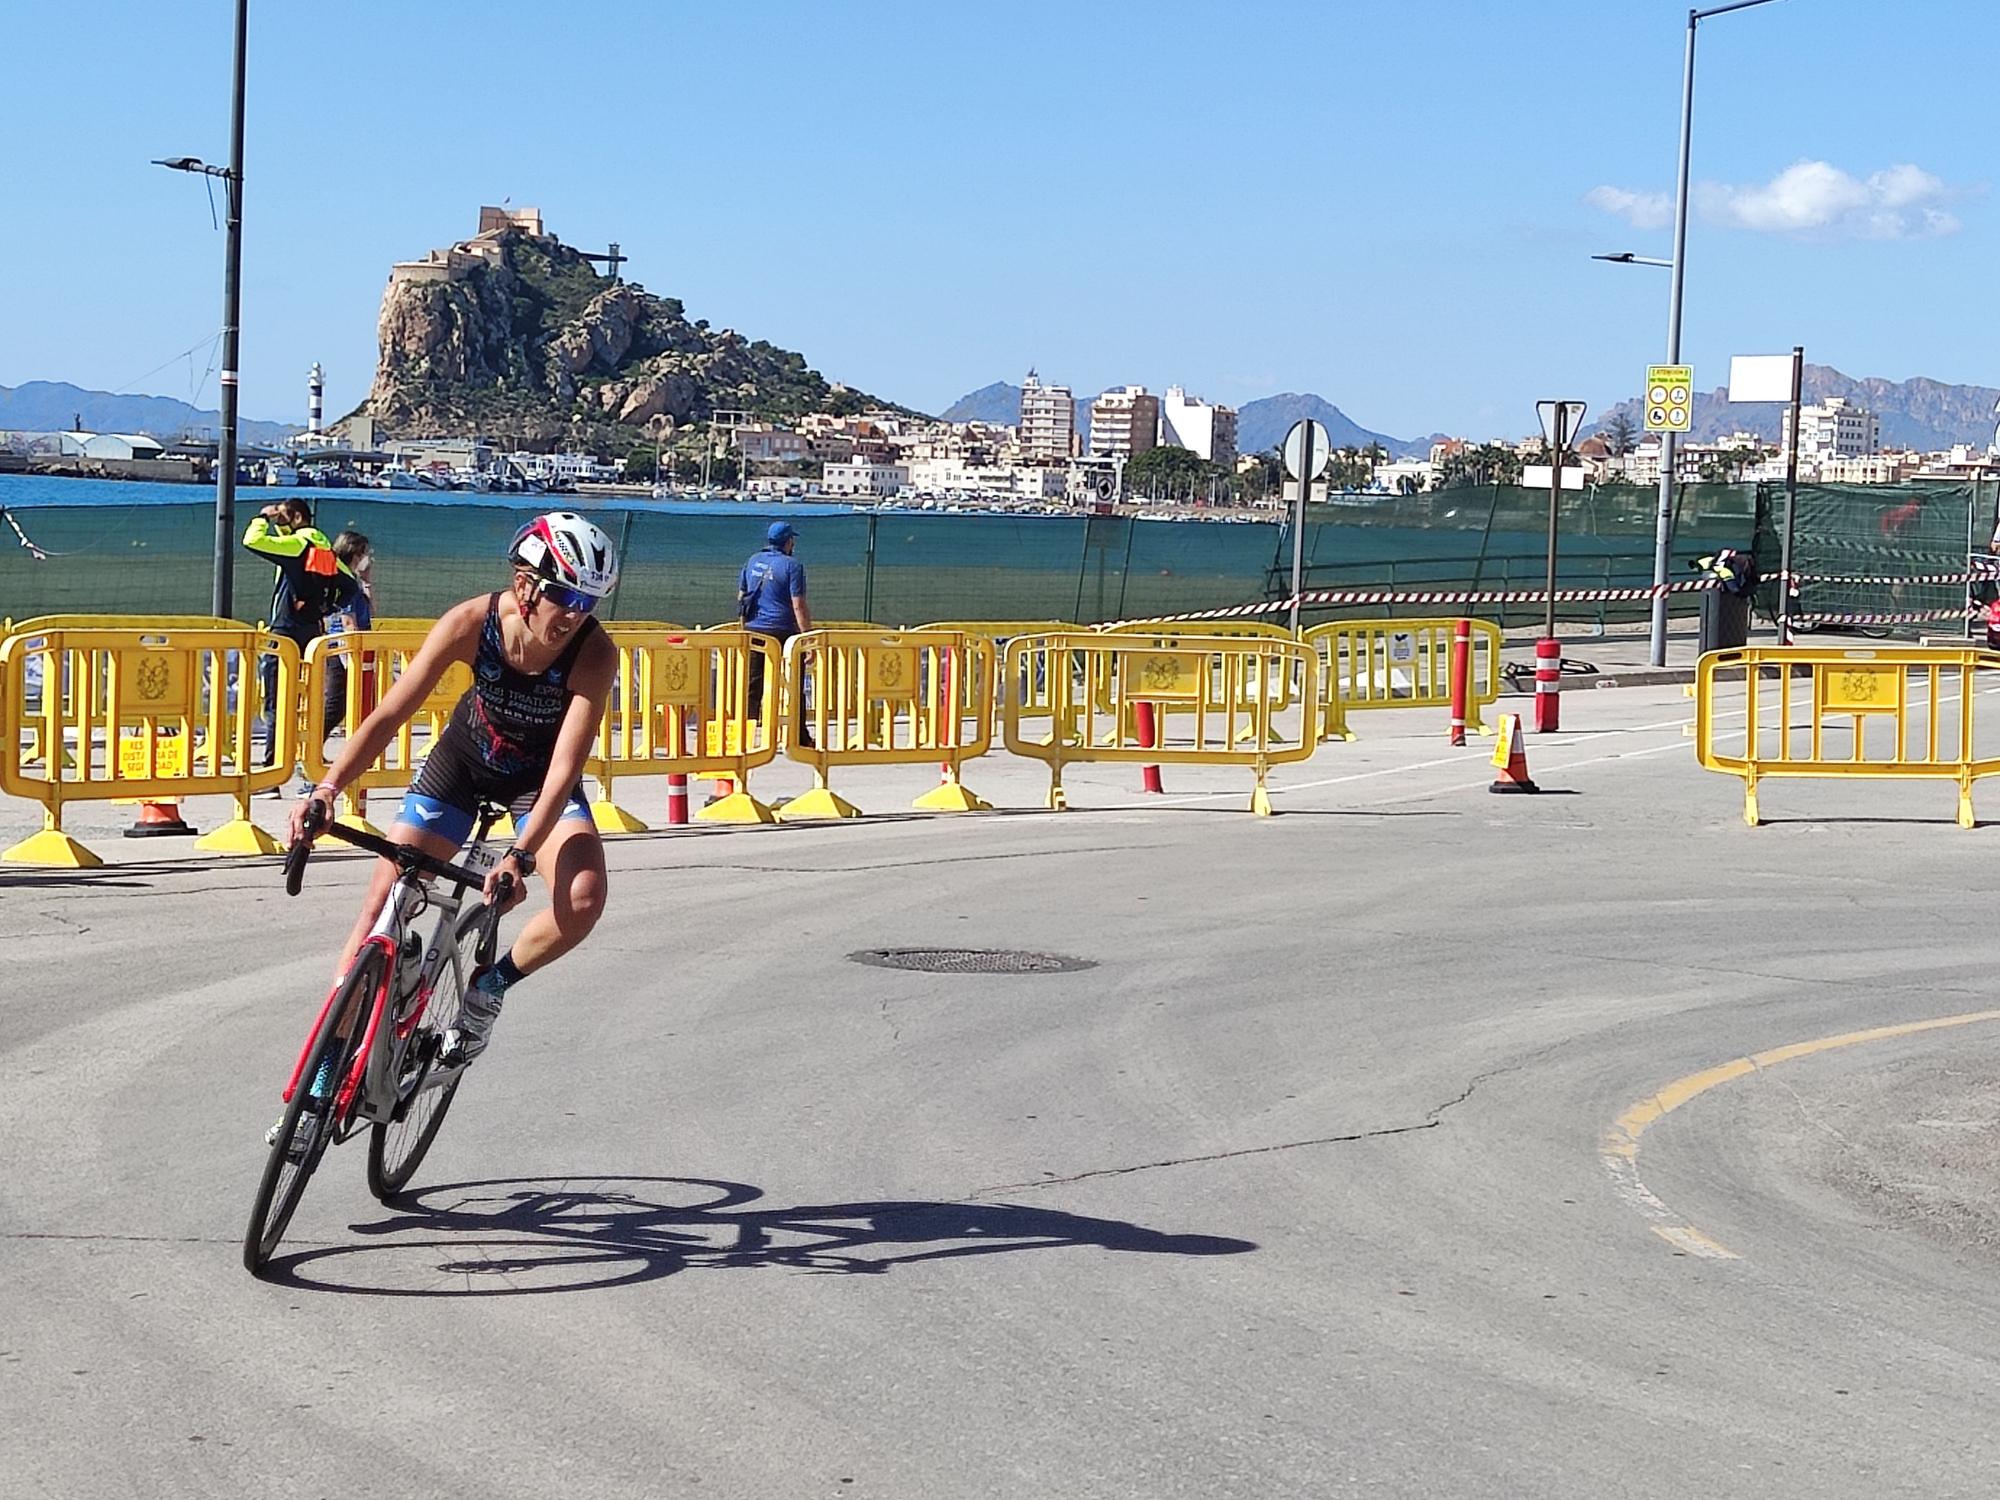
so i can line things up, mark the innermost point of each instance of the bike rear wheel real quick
(287, 1171)
(396, 1147)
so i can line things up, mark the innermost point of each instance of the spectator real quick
(352, 548)
(771, 600)
(312, 583)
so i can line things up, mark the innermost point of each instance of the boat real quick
(401, 479)
(280, 475)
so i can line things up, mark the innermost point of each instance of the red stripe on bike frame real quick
(344, 1100)
(299, 1067)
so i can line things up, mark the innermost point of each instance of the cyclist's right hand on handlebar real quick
(310, 815)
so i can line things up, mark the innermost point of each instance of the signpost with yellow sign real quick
(1669, 398)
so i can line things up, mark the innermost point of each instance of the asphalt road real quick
(1355, 1164)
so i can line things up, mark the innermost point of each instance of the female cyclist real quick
(542, 670)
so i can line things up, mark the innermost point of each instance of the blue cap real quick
(780, 533)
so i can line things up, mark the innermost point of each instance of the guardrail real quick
(1218, 688)
(1896, 713)
(1380, 664)
(870, 697)
(141, 715)
(689, 702)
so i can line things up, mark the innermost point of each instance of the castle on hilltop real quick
(459, 261)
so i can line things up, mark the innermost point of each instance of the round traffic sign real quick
(1678, 395)
(1322, 449)
(1677, 416)
(1656, 416)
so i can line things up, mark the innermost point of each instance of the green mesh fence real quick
(144, 549)
(1843, 536)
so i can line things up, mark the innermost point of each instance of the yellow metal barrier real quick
(375, 659)
(1894, 712)
(37, 623)
(153, 715)
(1031, 689)
(1222, 683)
(888, 698)
(1369, 664)
(682, 705)
(1279, 689)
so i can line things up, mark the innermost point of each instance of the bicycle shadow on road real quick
(529, 1236)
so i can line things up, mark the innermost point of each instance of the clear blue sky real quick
(1390, 202)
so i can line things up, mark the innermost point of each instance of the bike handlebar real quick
(408, 858)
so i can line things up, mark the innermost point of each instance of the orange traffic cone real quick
(1510, 754)
(158, 820)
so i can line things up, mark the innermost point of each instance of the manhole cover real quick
(970, 961)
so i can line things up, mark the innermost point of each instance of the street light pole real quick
(222, 604)
(1664, 521)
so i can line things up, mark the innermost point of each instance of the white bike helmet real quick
(571, 556)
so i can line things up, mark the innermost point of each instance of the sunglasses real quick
(568, 598)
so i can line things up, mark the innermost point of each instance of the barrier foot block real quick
(504, 829)
(1965, 817)
(737, 807)
(239, 836)
(952, 796)
(611, 818)
(53, 849)
(359, 824)
(1260, 801)
(1058, 799)
(820, 802)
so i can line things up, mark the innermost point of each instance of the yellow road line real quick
(1619, 1150)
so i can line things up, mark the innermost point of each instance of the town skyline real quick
(1834, 206)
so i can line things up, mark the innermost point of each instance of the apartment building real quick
(1190, 422)
(1048, 422)
(1833, 428)
(1124, 422)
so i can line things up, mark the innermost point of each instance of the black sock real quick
(509, 971)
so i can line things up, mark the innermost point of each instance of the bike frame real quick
(371, 1078)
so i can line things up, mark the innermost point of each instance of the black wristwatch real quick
(522, 858)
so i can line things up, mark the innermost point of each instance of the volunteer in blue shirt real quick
(771, 599)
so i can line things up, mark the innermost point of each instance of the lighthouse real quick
(315, 400)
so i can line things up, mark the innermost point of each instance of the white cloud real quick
(1640, 210)
(1807, 198)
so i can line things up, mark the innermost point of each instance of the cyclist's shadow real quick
(523, 1236)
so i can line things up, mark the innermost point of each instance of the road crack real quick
(1433, 1117)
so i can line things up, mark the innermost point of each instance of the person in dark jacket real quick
(312, 583)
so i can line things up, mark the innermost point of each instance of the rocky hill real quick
(517, 336)
(1918, 413)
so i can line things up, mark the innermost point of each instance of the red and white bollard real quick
(677, 798)
(1149, 737)
(1548, 686)
(1461, 679)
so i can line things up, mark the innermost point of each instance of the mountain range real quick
(1917, 413)
(57, 406)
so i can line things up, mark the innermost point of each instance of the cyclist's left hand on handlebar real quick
(516, 886)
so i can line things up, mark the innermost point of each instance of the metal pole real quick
(1299, 521)
(1561, 424)
(1791, 503)
(221, 597)
(1663, 528)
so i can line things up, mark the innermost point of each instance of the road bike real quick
(377, 1040)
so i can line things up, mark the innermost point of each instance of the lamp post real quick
(1664, 520)
(221, 596)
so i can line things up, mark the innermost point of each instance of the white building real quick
(955, 479)
(114, 445)
(1832, 429)
(1048, 422)
(864, 479)
(1190, 422)
(1124, 422)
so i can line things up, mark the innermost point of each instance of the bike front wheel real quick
(396, 1147)
(307, 1126)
